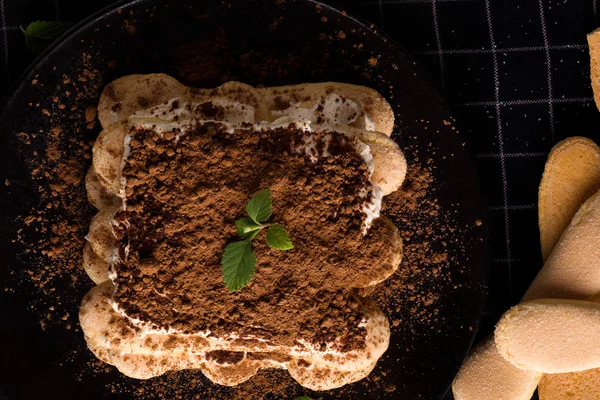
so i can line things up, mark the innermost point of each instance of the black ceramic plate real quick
(205, 43)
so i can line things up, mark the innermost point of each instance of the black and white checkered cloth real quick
(515, 73)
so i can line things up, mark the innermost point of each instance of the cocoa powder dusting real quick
(178, 221)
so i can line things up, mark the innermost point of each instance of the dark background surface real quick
(516, 74)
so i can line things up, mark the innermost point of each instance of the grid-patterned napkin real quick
(515, 72)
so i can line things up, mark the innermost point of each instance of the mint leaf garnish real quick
(238, 264)
(40, 34)
(259, 207)
(246, 225)
(278, 238)
(238, 261)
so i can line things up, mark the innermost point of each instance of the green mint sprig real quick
(238, 262)
(40, 34)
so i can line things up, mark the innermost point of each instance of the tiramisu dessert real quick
(239, 228)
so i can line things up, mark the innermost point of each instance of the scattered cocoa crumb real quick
(130, 27)
(51, 234)
(426, 233)
(90, 114)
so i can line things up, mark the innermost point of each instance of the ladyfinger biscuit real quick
(469, 383)
(390, 163)
(107, 156)
(97, 194)
(572, 270)
(94, 265)
(375, 105)
(124, 96)
(579, 159)
(551, 335)
(128, 94)
(582, 385)
(571, 176)
(486, 375)
(111, 96)
(593, 40)
(100, 235)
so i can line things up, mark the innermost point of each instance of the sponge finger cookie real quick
(389, 162)
(94, 265)
(386, 256)
(551, 336)
(593, 40)
(100, 235)
(572, 270)
(247, 96)
(485, 374)
(571, 176)
(111, 97)
(377, 109)
(107, 156)
(128, 94)
(582, 385)
(97, 193)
